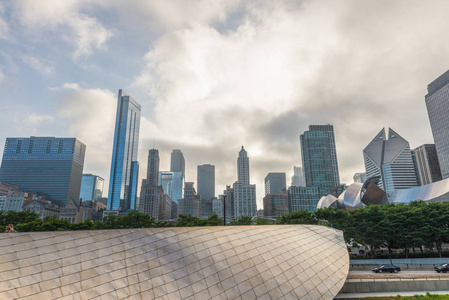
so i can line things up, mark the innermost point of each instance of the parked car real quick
(443, 268)
(386, 268)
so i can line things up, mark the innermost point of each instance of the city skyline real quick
(195, 69)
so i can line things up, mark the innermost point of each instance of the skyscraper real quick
(153, 167)
(319, 158)
(190, 204)
(298, 177)
(243, 167)
(172, 182)
(153, 200)
(275, 183)
(391, 160)
(124, 165)
(437, 102)
(178, 164)
(427, 166)
(206, 187)
(91, 187)
(244, 192)
(45, 165)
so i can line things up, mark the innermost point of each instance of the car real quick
(386, 268)
(443, 268)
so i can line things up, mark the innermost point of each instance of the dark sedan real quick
(443, 268)
(386, 268)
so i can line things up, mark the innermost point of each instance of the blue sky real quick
(212, 76)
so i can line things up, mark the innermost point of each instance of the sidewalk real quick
(352, 296)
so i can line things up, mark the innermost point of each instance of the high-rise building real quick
(360, 177)
(228, 197)
(275, 183)
(91, 187)
(153, 167)
(437, 102)
(319, 158)
(178, 164)
(153, 200)
(206, 188)
(427, 166)
(173, 183)
(244, 195)
(276, 204)
(303, 198)
(124, 166)
(47, 166)
(243, 167)
(298, 177)
(190, 204)
(390, 160)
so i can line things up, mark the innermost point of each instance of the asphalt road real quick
(403, 272)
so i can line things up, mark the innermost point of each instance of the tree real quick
(297, 217)
(243, 220)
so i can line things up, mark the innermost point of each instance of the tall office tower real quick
(153, 201)
(178, 164)
(437, 102)
(275, 183)
(391, 160)
(91, 187)
(244, 192)
(298, 177)
(45, 165)
(276, 204)
(302, 198)
(228, 197)
(427, 166)
(206, 188)
(153, 167)
(359, 177)
(319, 158)
(217, 206)
(124, 166)
(190, 204)
(172, 182)
(243, 167)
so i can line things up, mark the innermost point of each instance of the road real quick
(403, 272)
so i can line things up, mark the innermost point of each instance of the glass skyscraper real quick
(319, 158)
(124, 166)
(275, 183)
(178, 163)
(437, 102)
(91, 187)
(45, 165)
(172, 183)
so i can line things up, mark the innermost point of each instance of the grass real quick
(416, 297)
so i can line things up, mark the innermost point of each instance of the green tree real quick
(297, 217)
(262, 221)
(243, 220)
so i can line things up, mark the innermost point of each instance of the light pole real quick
(224, 210)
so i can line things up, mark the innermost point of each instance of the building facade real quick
(244, 193)
(45, 166)
(391, 160)
(43, 208)
(153, 167)
(178, 163)
(360, 177)
(275, 183)
(426, 164)
(124, 167)
(319, 158)
(303, 198)
(206, 188)
(276, 204)
(91, 187)
(190, 204)
(437, 102)
(243, 167)
(173, 183)
(298, 177)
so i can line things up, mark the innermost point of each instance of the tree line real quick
(401, 226)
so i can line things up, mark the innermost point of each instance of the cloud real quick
(67, 20)
(286, 66)
(36, 64)
(4, 28)
(90, 116)
(33, 124)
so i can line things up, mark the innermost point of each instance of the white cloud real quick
(90, 115)
(36, 64)
(286, 66)
(65, 19)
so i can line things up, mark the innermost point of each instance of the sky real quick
(213, 76)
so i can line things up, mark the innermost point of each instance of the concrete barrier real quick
(401, 261)
(352, 286)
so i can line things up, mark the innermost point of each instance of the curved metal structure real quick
(434, 192)
(241, 262)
